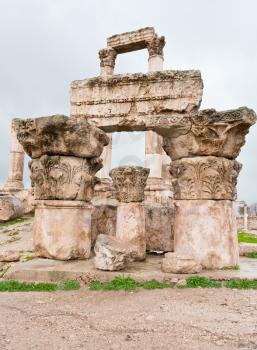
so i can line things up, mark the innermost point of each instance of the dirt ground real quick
(159, 319)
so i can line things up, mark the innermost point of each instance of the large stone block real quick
(174, 263)
(206, 230)
(64, 178)
(112, 254)
(60, 135)
(208, 133)
(10, 207)
(127, 102)
(205, 178)
(159, 221)
(62, 229)
(131, 227)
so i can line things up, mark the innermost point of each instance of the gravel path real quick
(158, 319)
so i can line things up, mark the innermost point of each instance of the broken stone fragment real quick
(9, 256)
(61, 135)
(10, 207)
(175, 263)
(111, 253)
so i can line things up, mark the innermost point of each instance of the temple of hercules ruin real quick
(180, 203)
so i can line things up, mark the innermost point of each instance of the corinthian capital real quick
(129, 183)
(156, 45)
(107, 57)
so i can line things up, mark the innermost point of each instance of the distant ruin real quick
(181, 202)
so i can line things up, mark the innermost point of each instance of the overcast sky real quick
(45, 44)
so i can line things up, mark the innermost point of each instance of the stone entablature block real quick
(131, 41)
(132, 99)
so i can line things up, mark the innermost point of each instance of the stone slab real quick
(56, 271)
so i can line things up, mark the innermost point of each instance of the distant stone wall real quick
(252, 222)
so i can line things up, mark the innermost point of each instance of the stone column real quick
(16, 163)
(153, 141)
(245, 217)
(107, 62)
(129, 183)
(205, 222)
(104, 187)
(203, 148)
(63, 183)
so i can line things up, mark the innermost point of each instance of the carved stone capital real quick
(107, 57)
(208, 132)
(155, 46)
(205, 178)
(60, 135)
(64, 178)
(129, 183)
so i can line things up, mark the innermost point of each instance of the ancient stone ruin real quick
(181, 202)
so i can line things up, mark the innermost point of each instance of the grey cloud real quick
(46, 44)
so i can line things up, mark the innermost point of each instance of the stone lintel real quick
(131, 41)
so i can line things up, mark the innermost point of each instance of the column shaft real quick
(16, 163)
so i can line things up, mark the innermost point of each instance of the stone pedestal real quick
(16, 163)
(131, 227)
(207, 230)
(129, 183)
(62, 229)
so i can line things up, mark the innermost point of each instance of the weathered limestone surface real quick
(206, 230)
(159, 221)
(136, 101)
(111, 253)
(103, 220)
(129, 183)
(64, 177)
(27, 199)
(175, 263)
(131, 41)
(205, 178)
(131, 227)
(209, 133)
(62, 229)
(9, 256)
(60, 135)
(10, 207)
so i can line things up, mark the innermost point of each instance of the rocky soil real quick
(159, 319)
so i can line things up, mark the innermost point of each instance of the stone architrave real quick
(16, 162)
(204, 176)
(129, 183)
(65, 158)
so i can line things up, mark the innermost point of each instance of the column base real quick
(207, 230)
(131, 227)
(62, 229)
(13, 186)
